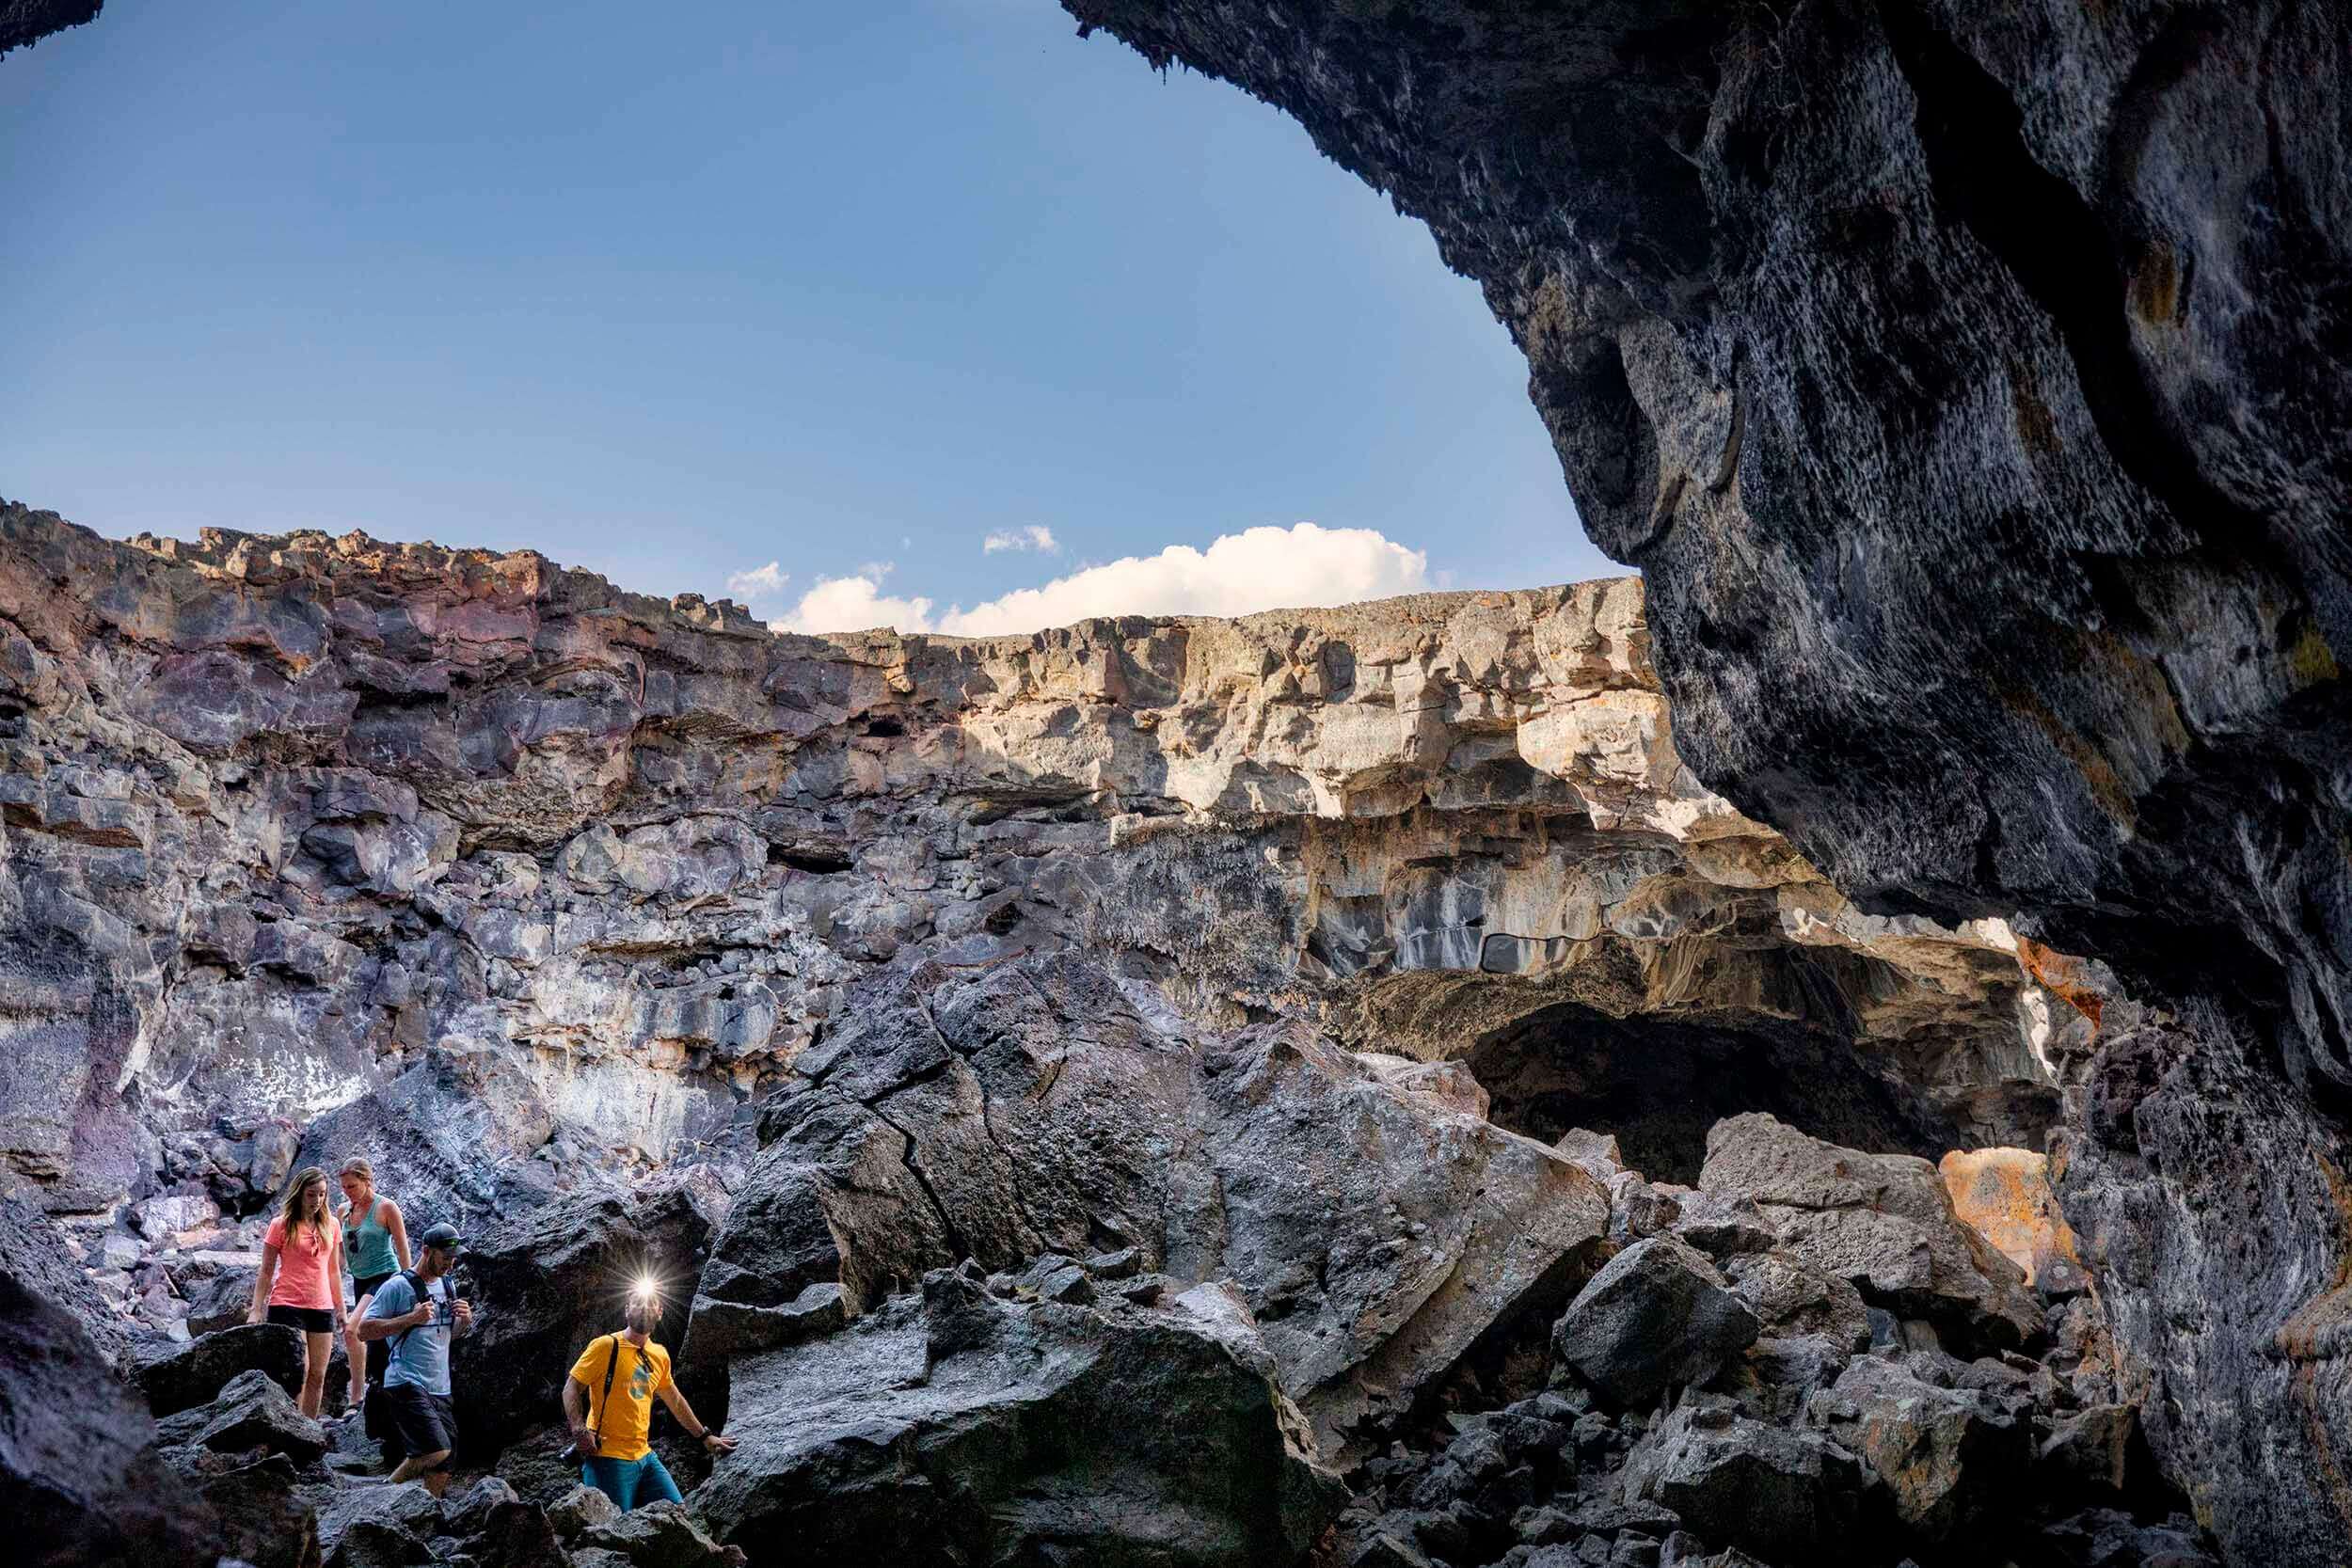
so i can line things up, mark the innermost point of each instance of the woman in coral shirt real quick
(301, 1282)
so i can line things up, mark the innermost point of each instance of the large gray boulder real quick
(1784, 1495)
(1378, 1231)
(79, 1482)
(265, 1517)
(1950, 1458)
(550, 1280)
(1378, 1226)
(1882, 1222)
(1657, 1315)
(183, 1376)
(250, 1411)
(958, 1425)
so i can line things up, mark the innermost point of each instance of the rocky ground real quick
(1018, 1276)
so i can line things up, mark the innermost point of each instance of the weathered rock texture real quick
(514, 880)
(1375, 1224)
(956, 1427)
(1970, 385)
(1118, 961)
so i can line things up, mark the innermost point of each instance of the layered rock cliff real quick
(1970, 386)
(518, 879)
(985, 1037)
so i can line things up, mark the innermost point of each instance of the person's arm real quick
(261, 1283)
(398, 1225)
(335, 1278)
(685, 1414)
(460, 1316)
(382, 1322)
(576, 1410)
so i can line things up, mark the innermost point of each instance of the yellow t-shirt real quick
(641, 1376)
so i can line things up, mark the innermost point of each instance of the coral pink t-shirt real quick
(302, 1267)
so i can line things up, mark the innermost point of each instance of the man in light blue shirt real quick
(420, 1315)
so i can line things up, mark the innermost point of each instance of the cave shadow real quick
(1658, 1084)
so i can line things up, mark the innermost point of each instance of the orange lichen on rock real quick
(2062, 976)
(2005, 1192)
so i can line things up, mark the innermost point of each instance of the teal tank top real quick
(367, 1247)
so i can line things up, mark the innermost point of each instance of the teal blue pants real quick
(624, 1480)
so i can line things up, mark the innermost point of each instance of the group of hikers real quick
(403, 1314)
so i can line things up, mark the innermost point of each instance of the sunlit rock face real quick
(1970, 386)
(510, 878)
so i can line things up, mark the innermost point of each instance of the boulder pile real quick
(1026, 1273)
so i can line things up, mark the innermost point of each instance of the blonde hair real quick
(289, 1212)
(358, 1166)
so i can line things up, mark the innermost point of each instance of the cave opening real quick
(1658, 1084)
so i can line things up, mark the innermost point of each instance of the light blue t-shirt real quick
(420, 1356)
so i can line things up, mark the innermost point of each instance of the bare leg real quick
(316, 1348)
(417, 1465)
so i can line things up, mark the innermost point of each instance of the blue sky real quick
(837, 286)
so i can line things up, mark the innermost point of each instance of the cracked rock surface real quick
(1969, 385)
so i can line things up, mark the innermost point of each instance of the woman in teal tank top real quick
(375, 1248)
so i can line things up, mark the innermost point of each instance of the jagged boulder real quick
(1377, 1228)
(1657, 1315)
(408, 1511)
(959, 1423)
(511, 1533)
(1884, 1222)
(2098, 1451)
(658, 1535)
(38, 1255)
(264, 1516)
(1025, 1112)
(219, 1301)
(1379, 1232)
(578, 1510)
(1950, 1457)
(1782, 1494)
(251, 1411)
(558, 1275)
(184, 1376)
(79, 1482)
(1791, 1298)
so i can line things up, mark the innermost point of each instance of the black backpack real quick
(374, 1415)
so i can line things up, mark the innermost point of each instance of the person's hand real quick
(255, 1314)
(417, 1316)
(717, 1444)
(465, 1314)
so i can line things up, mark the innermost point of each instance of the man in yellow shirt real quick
(607, 1403)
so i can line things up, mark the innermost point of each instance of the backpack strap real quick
(409, 1278)
(604, 1400)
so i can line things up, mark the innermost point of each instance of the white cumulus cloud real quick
(1259, 568)
(854, 603)
(761, 582)
(1037, 537)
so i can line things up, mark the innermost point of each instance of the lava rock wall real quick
(1970, 386)
(516, 883)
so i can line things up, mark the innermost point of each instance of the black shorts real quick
(366, 1286)
(310, 1320)
(424, 1423)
